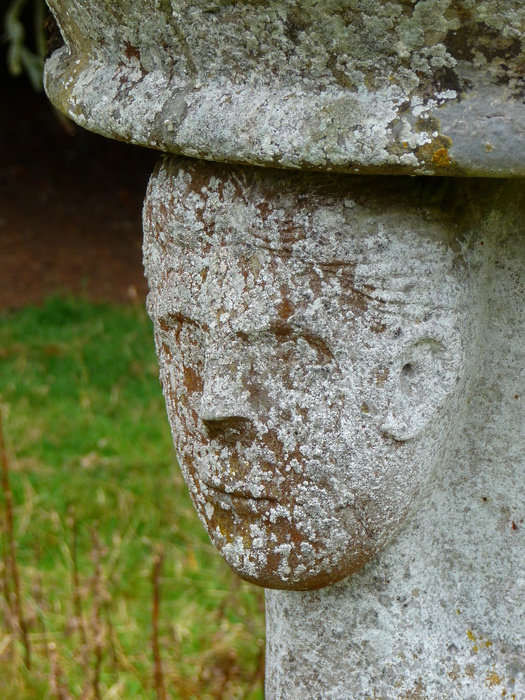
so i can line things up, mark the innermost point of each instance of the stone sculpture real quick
(322, 343)
(341, 350)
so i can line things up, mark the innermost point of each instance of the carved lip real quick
(240, 495)
(242, 502)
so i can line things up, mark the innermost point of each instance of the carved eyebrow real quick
(283, 331)
(173, 321)
(280, 329)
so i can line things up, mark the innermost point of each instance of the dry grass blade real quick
(76, 592)
(11, 562)
(160, 687)
(96, 623)
(55, 678)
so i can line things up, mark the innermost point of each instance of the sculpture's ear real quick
(425, 375)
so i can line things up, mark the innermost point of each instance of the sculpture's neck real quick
(440, 613)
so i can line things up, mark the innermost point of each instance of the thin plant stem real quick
(96, 619)
(76, 592)
(55, 680)
(10, 530)
(160, 687)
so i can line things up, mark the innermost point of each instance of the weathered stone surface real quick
(360, 86)
(342, 361)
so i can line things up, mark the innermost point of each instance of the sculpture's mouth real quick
(241, 501)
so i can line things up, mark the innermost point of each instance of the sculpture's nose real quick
(225, 409)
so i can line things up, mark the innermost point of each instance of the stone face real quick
(311, 336)
(359, 86)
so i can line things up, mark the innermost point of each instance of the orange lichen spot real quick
(471, 636)
(493, 679)
(377, 327)
(488, 643)
(192, 380)
(405, 144)
(285, 309)
(441, 158)
(475, 649)
(458, 611)
(418, 692)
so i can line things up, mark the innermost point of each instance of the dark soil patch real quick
(70, 206)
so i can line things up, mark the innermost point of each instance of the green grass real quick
(91, 452)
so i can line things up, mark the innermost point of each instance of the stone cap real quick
(418, 87)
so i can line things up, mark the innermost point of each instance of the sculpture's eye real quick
(171, 323)
(300, 346)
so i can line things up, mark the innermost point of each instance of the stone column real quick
(340, 349)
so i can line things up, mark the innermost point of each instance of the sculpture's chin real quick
(265, 545)
(269, 579)
(268, 570)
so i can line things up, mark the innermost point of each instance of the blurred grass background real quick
(102, 518)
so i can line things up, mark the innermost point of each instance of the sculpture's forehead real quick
(393, 266)
(284, 230)
(336, 232)
(258, 287)
(316, 220)
(251, 275)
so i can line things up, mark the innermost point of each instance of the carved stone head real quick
(308, 333)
